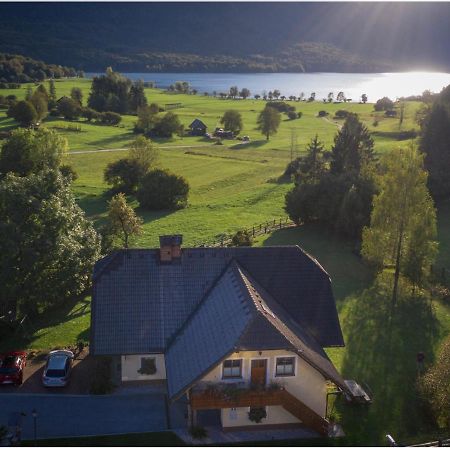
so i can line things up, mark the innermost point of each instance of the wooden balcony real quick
(236, 397)
(227, 398)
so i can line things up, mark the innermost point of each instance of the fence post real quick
(253, 231)
(280, 224)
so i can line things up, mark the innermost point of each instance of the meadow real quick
(235, 186)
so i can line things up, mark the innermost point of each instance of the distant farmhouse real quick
(198, 128)
(236, 332)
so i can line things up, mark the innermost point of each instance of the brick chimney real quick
(170, 247)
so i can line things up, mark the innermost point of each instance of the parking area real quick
(80, 379)
(79, 415)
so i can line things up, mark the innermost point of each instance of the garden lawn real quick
(389, 369)
(60, 327)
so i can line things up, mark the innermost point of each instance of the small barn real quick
(198, 128)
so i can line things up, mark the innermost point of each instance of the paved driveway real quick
(78, 415)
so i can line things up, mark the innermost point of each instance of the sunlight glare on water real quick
(374, 85)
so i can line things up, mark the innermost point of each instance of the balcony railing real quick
(236, 395)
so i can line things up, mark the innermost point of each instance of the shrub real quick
(124, 175)
(68, 172)
(257, 414)
(341, 114)
(24, 113)
(161, 189)
(166, 126)
(384, 104)
(89, 114)
(292, 115)
(322, 113)
(101, 383)
(109, 118)
(198, 432)
(68, 108)
(282, 107)
(299, 114)
(376, 122)
(242, 239)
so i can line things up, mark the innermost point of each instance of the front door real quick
(258, 373)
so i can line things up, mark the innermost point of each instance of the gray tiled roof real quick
(211, 333)
(236, 315)
(139, 304)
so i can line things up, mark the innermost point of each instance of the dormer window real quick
(232, 368)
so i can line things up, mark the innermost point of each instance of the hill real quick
(221, 37)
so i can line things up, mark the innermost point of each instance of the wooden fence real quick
(169, 106)
(255, 230)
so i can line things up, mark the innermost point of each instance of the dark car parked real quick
(11, 367)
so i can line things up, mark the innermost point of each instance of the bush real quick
(89, 114)
(68, 172)
(299, 114)
(109, 118)
(341, 114)
(68, 108)
(101, 383)
(166, 126)
(161, 189)
(198, 432)
(322, 113)
(124, 175)
(282, 107)
(384, 104)
(242, 239)
(24, 113)
(257, 414)
(292, 115)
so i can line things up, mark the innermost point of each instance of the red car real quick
(11, 367)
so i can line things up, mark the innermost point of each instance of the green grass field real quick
(233, 186)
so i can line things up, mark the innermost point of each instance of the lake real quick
(374, 85)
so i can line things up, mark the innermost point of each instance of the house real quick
(198, 128)
(239, 332)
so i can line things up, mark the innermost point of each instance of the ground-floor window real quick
(148, 366)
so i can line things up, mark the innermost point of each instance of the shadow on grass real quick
(247, 145)
(347, 271)
(106, 141)
(386, 362)
(25, 335)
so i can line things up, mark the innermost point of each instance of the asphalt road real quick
(79, 415)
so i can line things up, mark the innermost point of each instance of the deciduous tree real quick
(122, 219)
(268, 121)
(402, 232)
(48, 247)
(232, 121)
(30, 151)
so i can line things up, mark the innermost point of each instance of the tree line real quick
(21, 69)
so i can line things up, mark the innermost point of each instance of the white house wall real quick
(308, 385)
(132, 363)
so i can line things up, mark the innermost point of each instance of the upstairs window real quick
(232, 368)
(285, 367)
